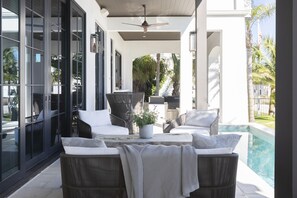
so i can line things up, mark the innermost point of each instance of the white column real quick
(186, 64)
(127, 72)
(201, 57)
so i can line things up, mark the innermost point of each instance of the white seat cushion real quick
(109, 130)
(190, 130)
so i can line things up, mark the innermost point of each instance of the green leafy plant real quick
(144, 118)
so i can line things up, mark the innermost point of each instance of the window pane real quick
(38, 6)
(10, 19)
(28, 39)
(10, 150)
(38, 25)
(37, 68)
(37, 138)
(10, 102)
(28, 142)
(62, 101)
(28, 3)
(54, 130)
(10, 62)
(28, 65)
(38, 102)
(55, 97)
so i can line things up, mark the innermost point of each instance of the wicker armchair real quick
(124, 104)
(102, 176)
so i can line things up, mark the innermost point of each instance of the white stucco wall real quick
(234, 106)
(135, 49)
(93, 16)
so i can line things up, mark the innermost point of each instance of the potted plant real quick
(145, 121)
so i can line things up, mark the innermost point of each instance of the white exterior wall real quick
(186, 71)
(234, 103)
(135, 49)
(93, 16)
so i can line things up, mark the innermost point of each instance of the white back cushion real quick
(215, 141)
(82, 146)
(95, 118)
(201, 117)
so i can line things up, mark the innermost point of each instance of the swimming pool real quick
(255, 149)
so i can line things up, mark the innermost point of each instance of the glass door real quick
(34, 79)
(10, 89)
(58, 71)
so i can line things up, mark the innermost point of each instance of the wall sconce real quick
(192, 42)
(94, 43)
(104, 12)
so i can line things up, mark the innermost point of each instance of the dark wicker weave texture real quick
(102, 176)
(124, 104)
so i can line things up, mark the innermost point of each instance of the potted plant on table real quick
(145, 121)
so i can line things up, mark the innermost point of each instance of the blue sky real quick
(267, 25)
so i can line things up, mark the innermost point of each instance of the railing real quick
(261, 106)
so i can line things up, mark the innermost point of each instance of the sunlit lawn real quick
(266, 120)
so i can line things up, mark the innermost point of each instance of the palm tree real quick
(158, 75)
(176, 75)
(264, 67)
(145, 75)
(259, 12)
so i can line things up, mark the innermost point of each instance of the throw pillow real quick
(201, 117)
(95, 118)
(215, 141)
(82, 146)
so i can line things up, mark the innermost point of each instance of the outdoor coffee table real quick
(164, 139)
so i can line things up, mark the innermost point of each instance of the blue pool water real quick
(256, 149)
(261, 158)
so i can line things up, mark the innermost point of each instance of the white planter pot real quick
(146, 131)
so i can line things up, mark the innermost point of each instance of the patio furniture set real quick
(89, 171)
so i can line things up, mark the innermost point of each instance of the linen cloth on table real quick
(158, 171)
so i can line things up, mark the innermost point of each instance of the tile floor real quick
(47, 184)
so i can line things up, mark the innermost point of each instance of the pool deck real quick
(47, 184)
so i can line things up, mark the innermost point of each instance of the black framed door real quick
(118, 70)
(100, 77)
(77, 64)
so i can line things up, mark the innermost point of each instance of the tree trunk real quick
(249, 76)
(271, 110)
(158, 75)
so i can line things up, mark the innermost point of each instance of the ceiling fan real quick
(145, 25)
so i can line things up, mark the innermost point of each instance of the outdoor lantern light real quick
(192, 41)
(94, 43)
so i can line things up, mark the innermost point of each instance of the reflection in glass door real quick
(34, 79)
(10, 89)
(58, 70)
(78, 64)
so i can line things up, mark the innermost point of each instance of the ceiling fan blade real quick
(132, 24)
(158, 24)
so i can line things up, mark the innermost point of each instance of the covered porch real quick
(220, 53)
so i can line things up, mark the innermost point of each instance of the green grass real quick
(266, 120)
